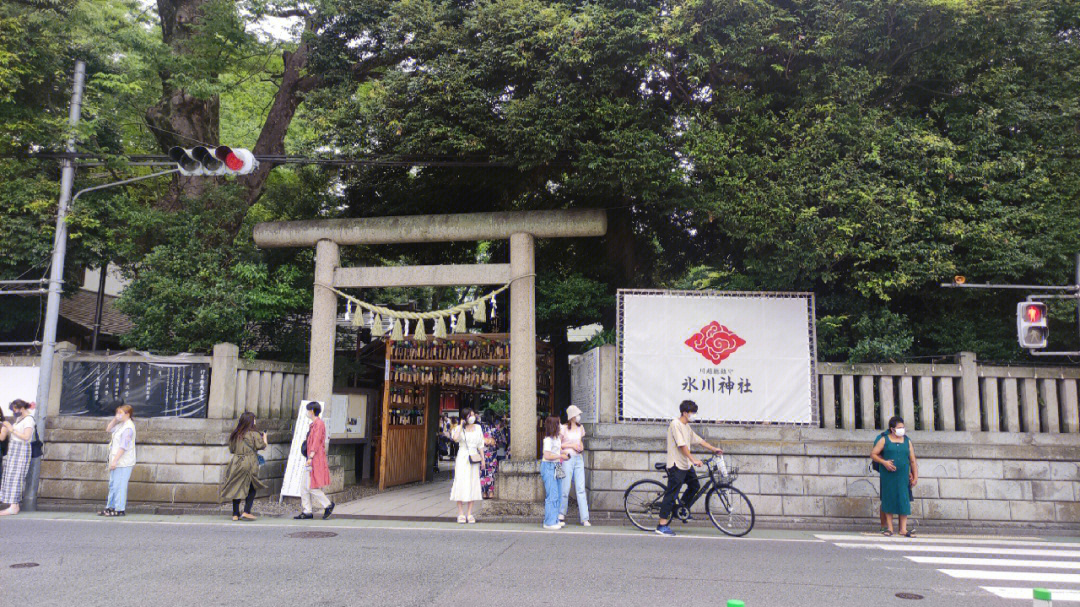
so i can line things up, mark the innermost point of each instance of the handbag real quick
(559, 472)
(36, 446)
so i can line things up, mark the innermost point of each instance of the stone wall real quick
(795, 476)
(179, 460)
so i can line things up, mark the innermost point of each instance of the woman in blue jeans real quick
(552, 488)
(573, 435)
(121, 460)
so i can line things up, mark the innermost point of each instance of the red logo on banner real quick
(715, 342)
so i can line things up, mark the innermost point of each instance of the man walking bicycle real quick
(680, 462)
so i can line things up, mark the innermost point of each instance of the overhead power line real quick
(89, 160)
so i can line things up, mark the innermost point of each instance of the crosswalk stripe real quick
(970, 562)
(938, 540)
(903, 547)
(1063, 596)
(1013, 576)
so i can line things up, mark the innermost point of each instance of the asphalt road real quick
(159, 560)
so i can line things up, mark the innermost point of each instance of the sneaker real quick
(562, 518)
(561, 524)
(665, 530)
(552, 527)
(328, 511)
(586, 524)
(303, 516)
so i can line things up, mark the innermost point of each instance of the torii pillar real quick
(520, 227)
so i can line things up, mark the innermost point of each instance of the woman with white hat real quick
(573, 435)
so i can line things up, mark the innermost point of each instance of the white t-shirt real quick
(552, 444)
(21, 426)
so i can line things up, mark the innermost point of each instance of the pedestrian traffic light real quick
(1031, 329)
(222, 160)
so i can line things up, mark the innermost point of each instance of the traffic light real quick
(1031, 329)
(222, 160)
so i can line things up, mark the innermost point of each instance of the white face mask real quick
(900, 431)
(577, 419)
(472, 419)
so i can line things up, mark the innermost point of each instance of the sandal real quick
(887, 533)
(247, 516)
(236, 518)
(461, 519)
(105, 512)
(472, 521)
(909, 534)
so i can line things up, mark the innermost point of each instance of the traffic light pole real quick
(1061, 292)
(56, 280)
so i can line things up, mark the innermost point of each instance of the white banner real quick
(742, 357)
(17, 383)
(585, 385)
(294, 466)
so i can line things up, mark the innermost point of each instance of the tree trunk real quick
(179, 118)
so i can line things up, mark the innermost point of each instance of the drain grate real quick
(23, 565)
(311, 535)
(911, 596)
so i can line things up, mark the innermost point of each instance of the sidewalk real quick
(421, 502)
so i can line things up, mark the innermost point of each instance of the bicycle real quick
(728, 508)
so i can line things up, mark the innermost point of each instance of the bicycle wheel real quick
(642, 503)
(730, 510)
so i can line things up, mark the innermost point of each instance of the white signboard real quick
(585, 385)
(294, 467)
(742, 357)
(18, 382)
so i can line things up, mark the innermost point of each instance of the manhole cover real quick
(23, 565)
(911, 596)
(311, 535)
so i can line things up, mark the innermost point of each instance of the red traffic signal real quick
(1034, 313)
(222, 160)
(1031, 330)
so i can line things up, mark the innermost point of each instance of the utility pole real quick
(56, 281)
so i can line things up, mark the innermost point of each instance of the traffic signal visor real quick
(222, 160)
(1031, 330)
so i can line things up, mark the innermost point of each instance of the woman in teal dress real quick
(899, 471)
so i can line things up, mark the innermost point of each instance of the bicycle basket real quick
(729, 478)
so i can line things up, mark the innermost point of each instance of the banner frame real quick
(815, 406)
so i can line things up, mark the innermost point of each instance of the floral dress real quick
(491, 463)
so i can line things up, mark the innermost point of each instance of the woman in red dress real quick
(318, 475)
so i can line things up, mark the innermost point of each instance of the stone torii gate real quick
(520, 227)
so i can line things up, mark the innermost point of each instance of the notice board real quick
(153, 389)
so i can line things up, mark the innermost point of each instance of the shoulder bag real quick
(474, 458)
(36, 446)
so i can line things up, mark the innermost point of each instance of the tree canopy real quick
(863, 150)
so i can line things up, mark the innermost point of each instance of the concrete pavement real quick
(148, 560)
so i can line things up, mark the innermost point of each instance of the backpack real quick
(874, 466)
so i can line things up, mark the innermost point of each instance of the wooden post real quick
(385, 418)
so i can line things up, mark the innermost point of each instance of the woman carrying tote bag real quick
(470, 458)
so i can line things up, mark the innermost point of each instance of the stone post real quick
(323, 324)
(223, 367)
(52, 408)
(609, 399)
(970, 420)
(522, 348)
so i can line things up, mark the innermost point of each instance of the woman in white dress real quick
(466, 490)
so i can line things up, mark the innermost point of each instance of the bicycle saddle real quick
(660, 466)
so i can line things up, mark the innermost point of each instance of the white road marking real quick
(899, 547)
(942, 540)
(1013, 576)
(1063, 596)
(970, 562)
